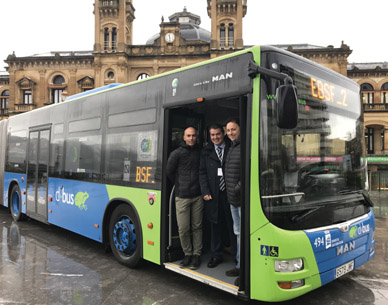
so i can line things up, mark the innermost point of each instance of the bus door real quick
(37, 173)
(176, 120)
(3, 138)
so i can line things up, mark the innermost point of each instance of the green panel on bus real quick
(148, 207)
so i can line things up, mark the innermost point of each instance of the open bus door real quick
(176, 121)
(201, 116)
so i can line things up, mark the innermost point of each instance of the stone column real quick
(377, 140)
(43, 97)
(72, 85)
(239, 44)
(386, 140)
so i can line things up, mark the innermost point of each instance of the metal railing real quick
(375, 107)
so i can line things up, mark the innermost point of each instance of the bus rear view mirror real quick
(287, 102)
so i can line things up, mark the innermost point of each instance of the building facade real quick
(373, 79)
(37, 81)
(45, 79)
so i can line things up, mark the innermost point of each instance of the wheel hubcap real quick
(124, 236)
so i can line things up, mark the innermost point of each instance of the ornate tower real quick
(226, 23)
(113, 25)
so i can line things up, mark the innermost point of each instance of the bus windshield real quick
(313, 175)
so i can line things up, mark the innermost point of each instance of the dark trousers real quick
(223, 225)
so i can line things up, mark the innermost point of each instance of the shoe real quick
(233, 272)
(237, 282)
(186, 261)
(195, 262)
(214, 262)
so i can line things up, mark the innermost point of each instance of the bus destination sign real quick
(328, 92)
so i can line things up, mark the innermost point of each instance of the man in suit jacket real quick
(213, 189)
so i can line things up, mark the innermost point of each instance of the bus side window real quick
(57, 147)
(119, 155)
(131, 157)
(83, 157)
(17, 146)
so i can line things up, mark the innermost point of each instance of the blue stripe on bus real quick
(77, 206)
(333, 248)
(92, 91)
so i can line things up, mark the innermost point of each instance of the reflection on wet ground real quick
(380, 200)
(43, 264)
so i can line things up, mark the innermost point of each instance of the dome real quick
(188, 32)
(190, 29)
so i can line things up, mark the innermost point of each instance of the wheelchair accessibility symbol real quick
(269, 251)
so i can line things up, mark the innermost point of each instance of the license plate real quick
(341, 270)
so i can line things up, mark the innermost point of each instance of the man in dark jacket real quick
(183, 170)
(211, 178)
(233, 187)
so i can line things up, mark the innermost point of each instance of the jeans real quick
(236, 215)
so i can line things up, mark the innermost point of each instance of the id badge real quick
(220, 172)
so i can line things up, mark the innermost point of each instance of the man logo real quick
(220, 77)
(346, 247)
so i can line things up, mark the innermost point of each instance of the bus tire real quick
(125, 236)
(15, 203)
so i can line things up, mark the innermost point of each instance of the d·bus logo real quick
(356, 231)
(68, 198)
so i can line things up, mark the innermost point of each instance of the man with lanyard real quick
(213, 189)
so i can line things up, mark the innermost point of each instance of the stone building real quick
(373, 79)
(44, 79)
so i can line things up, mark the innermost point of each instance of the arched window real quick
(114, 39)
(4, 100)
(143, 76)
(367, 93)
(106, 39)
(222, 35)
(58, 80)
(231, 35)
(110, 75)
(384, 94)
(57, 89)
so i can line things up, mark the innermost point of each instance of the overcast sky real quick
(33, 27)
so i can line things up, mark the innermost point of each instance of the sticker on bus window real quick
(147, 145)
(127, 170)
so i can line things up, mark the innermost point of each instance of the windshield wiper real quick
(313, 209)
(365, 195)
(298, 218)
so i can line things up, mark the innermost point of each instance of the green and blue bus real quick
(95, 165)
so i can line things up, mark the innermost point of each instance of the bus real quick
(96, 165)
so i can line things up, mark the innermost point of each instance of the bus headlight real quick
(289, 265)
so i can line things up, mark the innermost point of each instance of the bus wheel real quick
(125, 236)
(16, 204)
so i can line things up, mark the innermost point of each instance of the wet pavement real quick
(43, 264)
